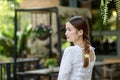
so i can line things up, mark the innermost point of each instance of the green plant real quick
(7, 8)
(104, 9)
(50, 62)
(6, 45)
(23, 40)
(117, 4)
(42, 31)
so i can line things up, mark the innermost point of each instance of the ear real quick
(80, 32)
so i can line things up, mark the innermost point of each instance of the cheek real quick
(75, 38)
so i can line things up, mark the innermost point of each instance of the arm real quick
(66, 64)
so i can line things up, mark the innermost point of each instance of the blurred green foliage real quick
(50, 62)
(7, 26)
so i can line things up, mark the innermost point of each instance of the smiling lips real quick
(67, 37)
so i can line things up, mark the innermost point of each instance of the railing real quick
(6, 68)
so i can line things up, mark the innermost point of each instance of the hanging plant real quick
(42, 31)
(117, 4)
(104, 9)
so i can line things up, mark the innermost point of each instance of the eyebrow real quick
(67, 27)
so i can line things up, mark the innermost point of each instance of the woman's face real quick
(71, 33)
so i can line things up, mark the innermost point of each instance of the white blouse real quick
(71, 67)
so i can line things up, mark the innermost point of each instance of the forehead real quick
(69, 25)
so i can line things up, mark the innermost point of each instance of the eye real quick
(69, 29)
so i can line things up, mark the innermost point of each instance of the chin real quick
(69, 40)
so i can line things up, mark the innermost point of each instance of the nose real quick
(66, 33)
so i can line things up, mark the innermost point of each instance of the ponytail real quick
(86, 52)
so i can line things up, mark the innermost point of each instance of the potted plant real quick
(50, 63)
(42, 31)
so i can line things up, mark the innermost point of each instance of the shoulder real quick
(68, 53)
(92, 48)
(70, 48)
(92, 51)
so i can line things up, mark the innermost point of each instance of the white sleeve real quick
(65, 66)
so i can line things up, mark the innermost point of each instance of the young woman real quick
(78, 60)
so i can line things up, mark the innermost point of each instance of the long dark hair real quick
(80, 23)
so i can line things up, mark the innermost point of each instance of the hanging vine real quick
(104, 9)
(117, 4)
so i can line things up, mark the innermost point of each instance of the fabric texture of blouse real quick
(71, 67)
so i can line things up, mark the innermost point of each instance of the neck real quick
(80, 43)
